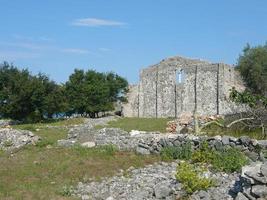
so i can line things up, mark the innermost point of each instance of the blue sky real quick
(56, 36)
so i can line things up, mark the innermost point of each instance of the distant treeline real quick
(33, 98)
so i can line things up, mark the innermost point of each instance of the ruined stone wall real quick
(204, 86)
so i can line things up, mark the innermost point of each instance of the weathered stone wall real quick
(204, 86)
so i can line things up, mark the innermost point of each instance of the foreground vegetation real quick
(46, 171)
(191, 172)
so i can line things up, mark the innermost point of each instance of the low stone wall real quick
(11, 139)
(153, 142)
(251, 147)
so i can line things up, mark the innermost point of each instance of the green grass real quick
(141, 124)
(56, 123)
(237, 132)
(46, 171)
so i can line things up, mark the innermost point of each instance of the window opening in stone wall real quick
(180, 76)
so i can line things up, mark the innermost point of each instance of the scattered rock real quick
(11, 139)
(241, 196)
(66, 143)
(152, 182)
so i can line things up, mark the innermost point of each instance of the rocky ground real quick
(11, 139)
(158, 182)
(154, 182)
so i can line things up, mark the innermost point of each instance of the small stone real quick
(263, 169)
(88, 144)
(245, 140)
(66, 143)
(252, 155)
(203, 194)
(225, 140)
(142, 151)
(241, 196)
(262, 144)
(218, 137)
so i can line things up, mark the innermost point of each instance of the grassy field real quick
(56, 123)
(141, 124)
(42, 171)
(213, 130)
(160, 124)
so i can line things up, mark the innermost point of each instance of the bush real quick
(192, 177)
(229, 160)
(182, 152)
(66, 191)
(204, 154)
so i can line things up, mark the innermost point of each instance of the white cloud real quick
(75, 51)
(94, 22)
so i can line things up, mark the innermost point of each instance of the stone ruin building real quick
(177, 85)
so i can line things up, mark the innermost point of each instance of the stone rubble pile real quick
(254, 182)
(85, 132)
(185, 122)
(155, 181)
(13, 139)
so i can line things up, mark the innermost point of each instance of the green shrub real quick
(229, 160)
(66, 191)
(204, 154)
(182, 152)
(192, 177)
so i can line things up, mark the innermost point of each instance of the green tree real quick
(252, 65)
(92, 92)
(26, 97)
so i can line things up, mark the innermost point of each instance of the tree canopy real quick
(252, 65)
(91, 92)
(32, 98)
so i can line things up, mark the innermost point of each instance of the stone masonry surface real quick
(178, 85)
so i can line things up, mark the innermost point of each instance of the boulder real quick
(162, 190)
(260, 191)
